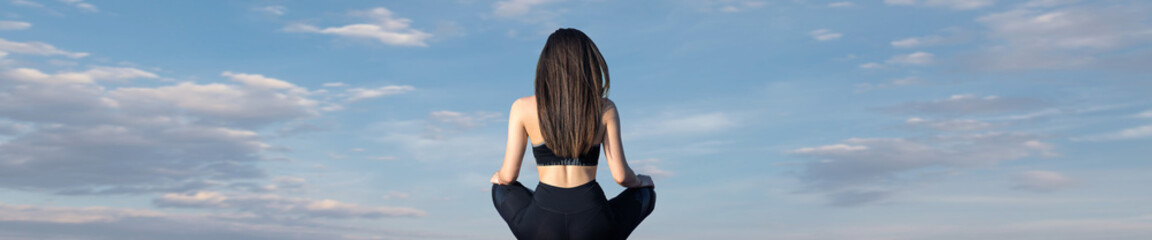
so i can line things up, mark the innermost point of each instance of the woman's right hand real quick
(496, 178)
(645, 181)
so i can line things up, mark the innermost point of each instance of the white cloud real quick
(334, 84)
(681, 123)
(1139, 132)
(383, 158)
(1145, 114)
(516, 8)
(896, 82)
(916, 58)
(425, 139)
(30, 213)
(11, 128)
(36, 48)
(14, 25)
(953, 4)
(1073, 36)
(905, 81)
(950, 124)
(871, 65)
(122, 159)
(88, 139)
(220, 102)
(258, 81)
(967, 104)
(274, 10)
(394, 195)
(913, 42)
(58, 222)
(90, 76)
(956, 36)
(26, 3)
(82, 5)
(278, 205)
(840, 4)
(1071, 28)
(730, 6)
(865, 170)
(442, 123)
(825, 35)
(1130, 225)
(1041, 181)
(356, 94)
(1048, 3)
(841, 148)
(385, 28)
(650, 167)
(462, 120)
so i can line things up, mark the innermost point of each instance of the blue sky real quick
(785, 119)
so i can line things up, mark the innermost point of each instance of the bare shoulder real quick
(524, 105)
(609, 114)
(609, 104)
(526, 101)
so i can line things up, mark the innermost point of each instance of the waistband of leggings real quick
(569, 200)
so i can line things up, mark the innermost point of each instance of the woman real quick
(567, 121)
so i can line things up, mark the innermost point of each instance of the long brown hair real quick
(571, 80)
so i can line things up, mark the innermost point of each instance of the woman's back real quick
(567, 122)
(558, 175)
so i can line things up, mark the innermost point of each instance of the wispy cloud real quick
(357, 94)
(1040, 38)
(896, 82)
(385, 28)
(121, 223)
(36, 48)
(679, 123)
(953, 4)
(731, 6)
(425, 139)
(917, 58)
(1041, 181)
(1138, 132)
(840, 4)
(517, 8)
(825, 35)
(968, 104)
(82, 5)
(867, 170)
(276, 10)
(950, 36)
(26, 3)
(270, 204)
(14, 25)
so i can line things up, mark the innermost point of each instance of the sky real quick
(773, 119)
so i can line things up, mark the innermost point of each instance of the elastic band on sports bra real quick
(545, 157)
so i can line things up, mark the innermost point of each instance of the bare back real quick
(557, 175)
(524, 128)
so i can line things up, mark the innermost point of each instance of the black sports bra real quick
(545, 157)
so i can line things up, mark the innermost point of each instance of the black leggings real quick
(580, 212)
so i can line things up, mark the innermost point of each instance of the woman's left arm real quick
(514, 151)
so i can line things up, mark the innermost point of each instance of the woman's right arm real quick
(514, 151)
(614, 151)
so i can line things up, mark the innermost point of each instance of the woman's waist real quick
(566, 176)
(569, 199)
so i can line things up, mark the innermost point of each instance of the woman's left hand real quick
(496, 178)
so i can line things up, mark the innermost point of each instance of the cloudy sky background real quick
(785, 119)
